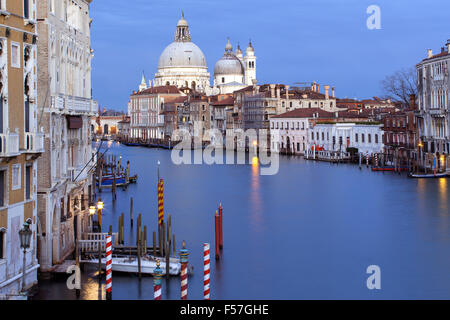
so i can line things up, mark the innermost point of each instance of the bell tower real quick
(250, 64)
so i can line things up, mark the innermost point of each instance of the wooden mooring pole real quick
(131, 211)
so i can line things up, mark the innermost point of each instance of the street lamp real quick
(25, 239)
(91, 214)
(100, 207)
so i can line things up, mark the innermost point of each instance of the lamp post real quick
(91, 214)
(25, 239)
(100, 207)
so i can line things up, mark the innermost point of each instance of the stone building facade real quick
(21, 142)
(433, 99)
(64, 85)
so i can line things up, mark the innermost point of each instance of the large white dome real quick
(182, 54)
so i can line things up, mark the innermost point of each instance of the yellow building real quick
(20, 142)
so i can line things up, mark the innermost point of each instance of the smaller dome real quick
(228, 64)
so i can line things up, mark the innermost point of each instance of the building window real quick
(323, 136)
(223, 79)
(16, 181)
(317, 136)
(362, 137)
(369, 138)
(376, 138)
(2, 242)
(26, 9)
(298, 146)
(28, 185)
(2, 188)
(356, 137)
(15, 55)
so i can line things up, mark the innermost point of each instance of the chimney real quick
(430, 53)
(448, 46)
(317, 87)
(332, 92)
(272, 91)
(313, 85)
(278, 93)
(327, 92)
(287, 91)
(412, 101)
(257, 89)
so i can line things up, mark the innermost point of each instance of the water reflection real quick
(255, 195)
(443, 194)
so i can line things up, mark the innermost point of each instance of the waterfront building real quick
(199, 111)
(123, 129)
(400, 135)
(21, 143)
(145, 110)
(289, 131)
(433, 99)
(273, 99)
(341, 134)
(106, 124)
(234, 71)
(64, 91)
(170, 113)
(220, 105)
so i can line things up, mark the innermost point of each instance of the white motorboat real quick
(148, 264)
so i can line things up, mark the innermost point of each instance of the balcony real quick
(9, 144)
(34, 142)
(437, 112)
(72, 104)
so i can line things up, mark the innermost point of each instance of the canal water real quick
(308, 232)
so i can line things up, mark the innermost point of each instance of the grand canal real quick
(309, 232)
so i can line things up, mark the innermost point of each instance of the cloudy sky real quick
(295, 40)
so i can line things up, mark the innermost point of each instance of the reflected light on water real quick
(443, 194)
(255, 197)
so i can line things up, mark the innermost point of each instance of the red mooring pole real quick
(220, 227)
(216, 222)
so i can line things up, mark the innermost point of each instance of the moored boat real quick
(428, 175)
(148, 265)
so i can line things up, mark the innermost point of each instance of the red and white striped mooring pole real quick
(184, 278)
(108, 267)
(367, 159)
(206, 271)
(157, 275)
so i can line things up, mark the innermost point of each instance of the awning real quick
(75, 122)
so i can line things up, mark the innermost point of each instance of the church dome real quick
(182, 54)
(228, 64)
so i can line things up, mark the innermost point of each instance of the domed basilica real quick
(183, 64)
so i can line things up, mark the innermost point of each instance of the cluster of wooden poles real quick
(162, 248)
(108, 165)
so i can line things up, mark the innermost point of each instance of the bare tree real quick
(401, 85)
